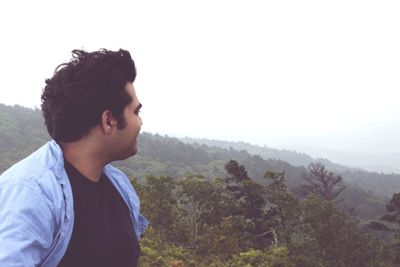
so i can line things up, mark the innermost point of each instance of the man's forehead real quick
(131, 90)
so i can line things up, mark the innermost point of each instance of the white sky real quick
(320, 73)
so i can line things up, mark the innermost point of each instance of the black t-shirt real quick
(103, 233)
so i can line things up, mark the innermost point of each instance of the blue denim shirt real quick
(36, 208)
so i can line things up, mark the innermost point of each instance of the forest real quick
(214, 203)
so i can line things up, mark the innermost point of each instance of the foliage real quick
(250, 200)
(209, 224)
(273, 257)
(159, 205)
(285, 207)
(157, 252)
(394, 204)
(331, 237)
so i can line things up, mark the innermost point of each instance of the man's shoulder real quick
(115, 174)
(119, 179)
(35, 169)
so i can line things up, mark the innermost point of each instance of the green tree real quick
(157, 252)
(394, 204)
(285, 211)
(201, 202)
(159, 205)
(251, 201)
(223, 240)
(323, 183)
(273, 257)
(333, 238)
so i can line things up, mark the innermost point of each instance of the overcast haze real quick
(317, 73)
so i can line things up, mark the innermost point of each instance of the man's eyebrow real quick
(138, 107)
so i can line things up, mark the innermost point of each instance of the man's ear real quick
(108, 122)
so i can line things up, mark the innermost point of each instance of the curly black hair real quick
(82, 89)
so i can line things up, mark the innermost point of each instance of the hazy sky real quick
(320, 73)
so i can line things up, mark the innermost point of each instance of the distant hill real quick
(384, 185)
(291, 156)
(22, 131)
(386, 162)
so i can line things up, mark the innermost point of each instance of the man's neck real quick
(85, 158)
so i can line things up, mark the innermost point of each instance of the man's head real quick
(92, 90)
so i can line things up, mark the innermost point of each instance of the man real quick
(64, 205)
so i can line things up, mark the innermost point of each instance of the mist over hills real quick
(388, 162)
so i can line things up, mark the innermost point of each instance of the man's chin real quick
(132, 152)
(127, 154)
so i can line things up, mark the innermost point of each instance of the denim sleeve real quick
(26, 225)
(143, 224)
